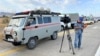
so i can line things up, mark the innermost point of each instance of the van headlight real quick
(14, 33)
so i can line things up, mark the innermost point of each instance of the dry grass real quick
(0, 20)
(1, 36)
(4, 22)
(2, 25)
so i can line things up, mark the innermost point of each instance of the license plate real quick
(10, 39)
(7, 32)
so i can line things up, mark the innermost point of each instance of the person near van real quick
(79, 26)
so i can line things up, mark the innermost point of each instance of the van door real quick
(48, 26)
(30, 29)
(41, 28)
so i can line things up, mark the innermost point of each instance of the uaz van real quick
(31, 26)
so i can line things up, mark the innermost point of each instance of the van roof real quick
(20, 16)
(38, 12)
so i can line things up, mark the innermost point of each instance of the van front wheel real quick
(54, 36)
(32, 43)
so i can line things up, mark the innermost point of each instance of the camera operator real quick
(79, 26)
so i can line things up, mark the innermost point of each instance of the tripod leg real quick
(68, 37)
(62, 41)
(69, 43)
(72, 47)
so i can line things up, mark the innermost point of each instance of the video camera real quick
(66, 21)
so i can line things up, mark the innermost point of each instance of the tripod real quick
(69, 41)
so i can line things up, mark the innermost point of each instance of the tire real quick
(62, 28)
(54, 36)
(32, 43)
(16, 44)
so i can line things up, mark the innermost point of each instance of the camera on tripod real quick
(66, 20)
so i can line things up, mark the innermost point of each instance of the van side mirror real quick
(23, 29)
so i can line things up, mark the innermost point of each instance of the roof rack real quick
(40, 12)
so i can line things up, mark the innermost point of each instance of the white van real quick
(31, 26)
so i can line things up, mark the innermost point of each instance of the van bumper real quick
(11, 41)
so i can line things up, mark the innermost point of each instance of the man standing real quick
(78, 33)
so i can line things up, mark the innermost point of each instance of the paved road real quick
(47, 47)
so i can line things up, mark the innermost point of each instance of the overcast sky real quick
(83, 7)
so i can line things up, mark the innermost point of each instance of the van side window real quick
(40, 21)
(33, 21)
(47, 19)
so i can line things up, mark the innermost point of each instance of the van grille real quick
(9, 36)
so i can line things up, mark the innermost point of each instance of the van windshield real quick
(17, 21)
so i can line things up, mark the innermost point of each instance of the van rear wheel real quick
(54, 36)
(32, 43)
